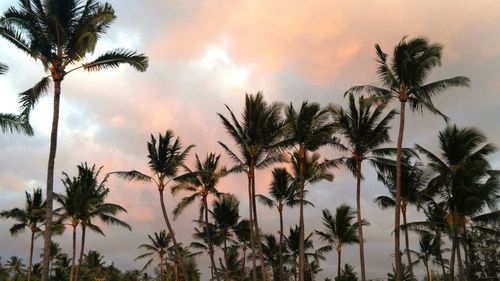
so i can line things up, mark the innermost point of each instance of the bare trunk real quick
(82, 250)
(257, 229)
(407, 240)
(50, 182)
(302, 159)
(459, 262)
(252, 233)
(31, 254)
(397, 252)
(429, 275)
(339, 262)
(209, 241)
(359, 220)
(73, 260)
(451, 273)
(242, 277)
(161, 268)
(172, 234)
(282, 273)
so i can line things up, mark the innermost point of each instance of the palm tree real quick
(256, 137)
(202, 182)
(364, 128)
(15, 265)
(413, 183)
(293, 247)
(242, 233)
(166, 156)
(159, 243)
(225, 212)
(283, 193)
(85, 200)
(230, 269)
(339, 230)
(94, 264)
(60, 33)
(31, 217)
(273, 256)
(463, 179)
(403, 80)
(428, 244)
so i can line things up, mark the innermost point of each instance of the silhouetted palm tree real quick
(403, 80)
(156, 248)
(31, 217)
(15, 266)
(166, 156)
(256, 136)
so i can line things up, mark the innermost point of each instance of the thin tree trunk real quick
(302, 159)
(209, 241)
(172, 234)
(339, 262)
(82, 250)
(360, 225)
(257, 229)
(31, 255)
(252, 233)
(451, 273)
(161, 268)
(50, 182)
(407, 240)
(429, 275)
(225, 251)
(397, 253)
(459, 261)
(282, 273)
(73, 260)
(244, 249)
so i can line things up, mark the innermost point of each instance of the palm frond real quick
(113, 59)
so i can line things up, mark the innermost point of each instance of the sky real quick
(207, 54)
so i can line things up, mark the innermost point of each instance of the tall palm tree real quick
(339, 230)
(256, 137)
(404, 79)
(463, 179)
(60, 34)
(364, 128)
(84, 201)
(201, 182)
(31, 217)
(166, 156)
(283, 193)
(159, 243)
(413, 183)
(306, 130)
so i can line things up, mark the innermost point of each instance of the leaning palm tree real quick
(30, 217)
(256, 137)
(166, 156)
(201, 182)
(157, 248)
(283, 193)
(463, 179)
(339, 230)
(60, 34)
(306, 130)
(403, 79)
(364, 128)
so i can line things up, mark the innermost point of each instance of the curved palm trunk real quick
(73, 255)
(252, 233)
(31, 254)
(302, 156)
(397, 253)
(282, 273)
(451, 273)
(209, 241)
(50, 182)
(339, 262)
(172, 234)
(407, 240)
(82, 250)
(256, 224)
(360, 225)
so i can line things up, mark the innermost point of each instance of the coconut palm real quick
(256, 136)
(230, 269)
(166, 156)
(339, 230)
(242, 233)
(31, 217)
(60, 34)
(293, 250)
(404, 79)
(306, 130)
(364, 128)
(283, 193)
(157, 248)
(225, 212)
(201, 182)
(15, 266)
(464, 181)
(84, 201)
(413, 183)
(428, 244)
(94, 265)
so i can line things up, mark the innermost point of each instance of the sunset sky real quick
(205, 54)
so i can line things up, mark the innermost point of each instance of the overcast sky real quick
(204, 54)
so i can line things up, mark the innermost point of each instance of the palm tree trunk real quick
(459, 261)
(429, 275)
(339, 262)
(82, 250)
(360, 225)
(31, 254)
(161, 268)
(407, 240)
(257, 229)
(397, 253)
(252, 233)
(451, 273)
(172, 234)
(209, 241)
(282, 273)
(73, 255)
(302, 159)
(50, 182)
(225, 250)
(244, 249)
